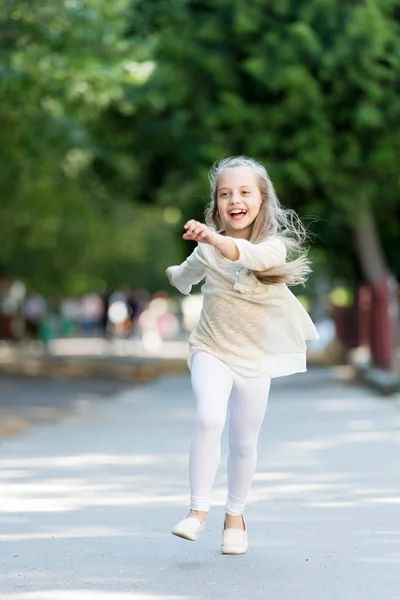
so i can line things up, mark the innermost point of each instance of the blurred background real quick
(111, 116)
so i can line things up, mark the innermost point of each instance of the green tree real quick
(64, 226)
(111, 114)
(309, 88)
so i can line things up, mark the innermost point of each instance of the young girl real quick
(251, 328)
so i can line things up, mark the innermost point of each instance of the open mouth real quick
(237, 213)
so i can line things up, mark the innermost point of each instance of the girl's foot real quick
(190, 527)
(201, 515)
(234, 538)
(232, 522)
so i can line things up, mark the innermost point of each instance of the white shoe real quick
(189, 528)
(234, 541)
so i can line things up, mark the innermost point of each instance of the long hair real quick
(272, 220)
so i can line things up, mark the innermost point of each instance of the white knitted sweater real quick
(256, 329)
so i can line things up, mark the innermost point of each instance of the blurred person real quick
(104, 299)
(70, 309)
(157, 323)
(137, 301)
(148, 327)
(191, 309)
(50, 323)
(12, 322)
(251, 329)
(119, 315)
(33, 311)
(91, 314)
(168, 321)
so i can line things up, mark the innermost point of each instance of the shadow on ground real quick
(86, 504)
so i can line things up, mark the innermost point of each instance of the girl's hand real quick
(199, 233)
(168, 273)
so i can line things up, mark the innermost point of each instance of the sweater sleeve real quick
(189, 273)
(260, 257)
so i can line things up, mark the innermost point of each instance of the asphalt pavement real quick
(26, 401)
(87, 500)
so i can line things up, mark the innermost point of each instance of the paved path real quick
(86, 503)
(25, 401)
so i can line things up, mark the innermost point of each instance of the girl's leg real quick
(247, 410)
(212, 382)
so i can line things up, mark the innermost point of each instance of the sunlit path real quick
(86, 503)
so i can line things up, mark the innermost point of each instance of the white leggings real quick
(214, 384)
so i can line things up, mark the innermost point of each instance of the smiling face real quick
(239, 200)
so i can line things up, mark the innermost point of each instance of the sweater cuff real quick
(181, 286)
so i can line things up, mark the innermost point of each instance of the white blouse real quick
(255, 328)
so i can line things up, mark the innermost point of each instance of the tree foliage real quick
(311, 88)
(64, 227)
(112, 113)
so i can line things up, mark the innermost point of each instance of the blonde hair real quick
(272, 220)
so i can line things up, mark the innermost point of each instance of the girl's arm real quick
(189, 273)
(201, 233)
(262, 256)
(256, 257)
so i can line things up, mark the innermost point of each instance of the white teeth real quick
(237, 212)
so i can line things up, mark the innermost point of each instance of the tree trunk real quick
(383, 325)
(369, 249)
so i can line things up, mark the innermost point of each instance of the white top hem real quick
(278, 365)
